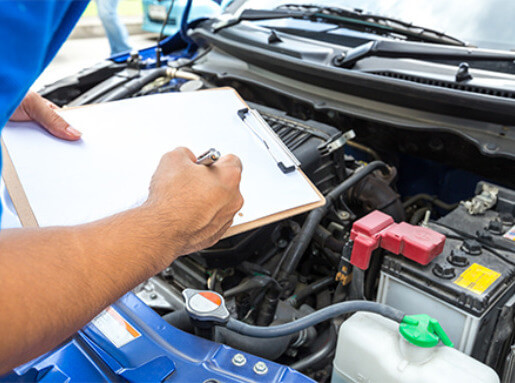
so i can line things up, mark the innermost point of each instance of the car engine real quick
(285, 271)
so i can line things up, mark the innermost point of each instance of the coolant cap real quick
(205, 305)
(423, 331)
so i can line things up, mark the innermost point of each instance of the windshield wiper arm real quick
(378, 23)
(397, 49)
(338, 16)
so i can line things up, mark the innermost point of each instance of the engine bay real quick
(433, 178)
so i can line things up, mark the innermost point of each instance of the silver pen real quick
(208, 158)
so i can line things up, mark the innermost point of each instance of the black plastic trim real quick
(417, 96)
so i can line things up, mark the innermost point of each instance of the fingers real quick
(229, 168)
(51, 105)
(181, 154)
(230, 160)
(40, 111)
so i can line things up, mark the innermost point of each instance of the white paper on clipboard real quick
(109, 169)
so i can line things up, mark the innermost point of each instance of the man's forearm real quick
(55, 280)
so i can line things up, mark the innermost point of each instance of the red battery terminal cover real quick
(376, 229)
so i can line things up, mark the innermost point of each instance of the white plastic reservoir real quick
(370, 349)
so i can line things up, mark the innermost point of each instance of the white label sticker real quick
(510, 234)
(115, 328)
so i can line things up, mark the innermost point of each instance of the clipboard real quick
(282, 156)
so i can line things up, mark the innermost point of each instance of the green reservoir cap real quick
(423, 331)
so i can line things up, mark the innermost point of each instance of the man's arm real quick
(55, 280)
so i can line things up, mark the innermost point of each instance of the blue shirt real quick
(31, 33)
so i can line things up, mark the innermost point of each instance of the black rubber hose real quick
(301, 242)
(179, 319)
(313, 288)
(131, 87)
(375, 192)
(265, 348)
(433, 199)
(258, 281)
(321, 354)
(335, 244)
(357, 285)
(266, 313)
(326, 240)
(314, 319)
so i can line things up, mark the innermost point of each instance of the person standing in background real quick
(116, 32)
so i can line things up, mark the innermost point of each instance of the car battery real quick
(468, 286)
(509, 369)
(130, 342)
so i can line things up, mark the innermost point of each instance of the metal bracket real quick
(335, 143)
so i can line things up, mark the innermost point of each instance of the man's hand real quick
(82, 269)
(194, 204)
(36, 108)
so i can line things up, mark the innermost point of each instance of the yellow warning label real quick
(477, 278)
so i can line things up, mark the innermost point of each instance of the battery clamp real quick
(378, 230)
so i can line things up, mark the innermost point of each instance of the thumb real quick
(40, 111)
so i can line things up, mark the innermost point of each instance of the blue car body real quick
(156, 352)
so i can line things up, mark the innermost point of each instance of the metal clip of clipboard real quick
(283, 157)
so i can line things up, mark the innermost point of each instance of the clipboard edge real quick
(263, 221)
(16, 191)
(239, 229)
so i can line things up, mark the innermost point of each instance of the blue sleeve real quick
(31, 33)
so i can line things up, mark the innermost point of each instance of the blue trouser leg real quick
(115, 30)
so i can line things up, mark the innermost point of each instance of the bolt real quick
(239, 360)
(282, 243)
(153, 296)
(491, 147)
(343, 215)
(168, 271)
(260, 368)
